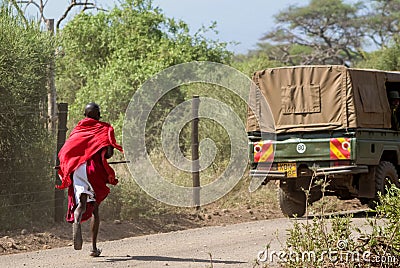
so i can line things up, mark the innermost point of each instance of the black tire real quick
(385, 172)
(314, 196)
(292, 204)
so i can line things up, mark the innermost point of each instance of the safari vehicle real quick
(332, 124)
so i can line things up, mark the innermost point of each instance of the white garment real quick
(82, 184)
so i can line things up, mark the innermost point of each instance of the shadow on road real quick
(355, 214)
(165, 259)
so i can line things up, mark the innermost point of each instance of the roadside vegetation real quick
(332, 241)
(25, 190)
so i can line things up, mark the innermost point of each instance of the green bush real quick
(334, 242)
(26, 188)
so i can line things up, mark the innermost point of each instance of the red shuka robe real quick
(85, 144)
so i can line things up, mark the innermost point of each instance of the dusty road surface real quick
(222, 246)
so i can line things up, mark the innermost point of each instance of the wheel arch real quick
(390, 156)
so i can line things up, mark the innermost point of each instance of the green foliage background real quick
(26, 189)
(107, 56)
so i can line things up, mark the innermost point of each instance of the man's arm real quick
(109, 152)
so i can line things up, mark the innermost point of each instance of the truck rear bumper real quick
(276, 175)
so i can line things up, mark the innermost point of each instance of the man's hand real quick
(109, 152)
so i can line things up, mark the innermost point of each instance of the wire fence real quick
(27, 159)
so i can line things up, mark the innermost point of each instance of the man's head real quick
(92, 110)
(394, 98)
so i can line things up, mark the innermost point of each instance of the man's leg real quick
(77, 232)
(95, 224)
(80, 209)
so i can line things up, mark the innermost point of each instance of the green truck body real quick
(337, 130)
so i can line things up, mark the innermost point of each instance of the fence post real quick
(61, 137)
(195, 152)
(51, 94)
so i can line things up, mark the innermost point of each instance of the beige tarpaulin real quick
(313, 98)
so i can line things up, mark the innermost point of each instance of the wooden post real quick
(61, 137)
(51, 93)
(195, 152)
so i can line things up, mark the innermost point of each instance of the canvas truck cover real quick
(317, 98)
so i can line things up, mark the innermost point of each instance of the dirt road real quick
(222, 246)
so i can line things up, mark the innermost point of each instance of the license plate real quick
(289, 168)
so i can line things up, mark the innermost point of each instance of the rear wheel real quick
(386, 172)
(292, 204)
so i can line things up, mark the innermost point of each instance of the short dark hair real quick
(92, 110)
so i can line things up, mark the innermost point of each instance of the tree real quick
(27, 186)
(108, 55)
(381, 22)
(254, 61)
(324, 32)
(387, 58)
(22, 5)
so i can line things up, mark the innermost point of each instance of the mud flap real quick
(366, 183)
